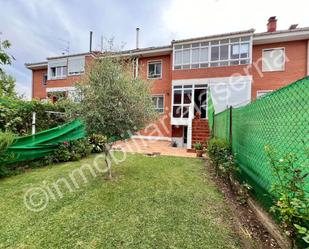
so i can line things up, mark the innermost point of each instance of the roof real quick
(244, 32)
(147, 51)
(43, 64)
(94, 53)
(281, 36)
(258, 38)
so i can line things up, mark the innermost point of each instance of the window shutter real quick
(76, 65)
(273, 60)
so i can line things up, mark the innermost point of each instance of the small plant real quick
(174, 143)
(243, 193)
(292, 203)
(98, 143)
(198, 146)
(199, 149)
(220, 154)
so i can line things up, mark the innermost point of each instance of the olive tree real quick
(113, 103)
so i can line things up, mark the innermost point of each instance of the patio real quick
(151, 147)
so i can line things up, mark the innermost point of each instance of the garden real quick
(63, 186)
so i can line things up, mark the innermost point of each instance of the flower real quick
(66, 143)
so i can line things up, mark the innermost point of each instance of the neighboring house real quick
(237, 67)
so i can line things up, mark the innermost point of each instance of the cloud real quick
(37, 28)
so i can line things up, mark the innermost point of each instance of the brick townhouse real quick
(236, 67)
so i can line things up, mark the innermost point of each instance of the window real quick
(225, 52)
(44, 80)
(261, 93)
(76, 65)
(58, 72)
(182, 98)
(158, 102)
(273, 60)
(154, 69)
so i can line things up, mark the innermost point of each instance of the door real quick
(200, 101)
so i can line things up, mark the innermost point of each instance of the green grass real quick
(161, 202)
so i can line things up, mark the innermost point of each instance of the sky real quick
(39, 29)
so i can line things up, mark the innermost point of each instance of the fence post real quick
(33, 122)
(231, 126)
(213, 125)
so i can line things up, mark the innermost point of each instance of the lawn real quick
(161, 202)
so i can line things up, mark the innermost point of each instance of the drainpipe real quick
(136, 67)
(307, 57)
(189, 132)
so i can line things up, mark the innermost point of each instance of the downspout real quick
(307, 57)
(136, 67)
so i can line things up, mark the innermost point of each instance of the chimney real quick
(272, 24)
(90, 42)
(137, 38)
(293, 26)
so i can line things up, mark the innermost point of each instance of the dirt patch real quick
(252, 232)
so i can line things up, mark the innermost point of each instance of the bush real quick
(16, 115)
(70, 151)
(98, 143)
(6, 139)
(289, 190)
(198, 146)
(219, 151)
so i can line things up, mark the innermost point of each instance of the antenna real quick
(101, 43)
(66, 49)
(90, 42)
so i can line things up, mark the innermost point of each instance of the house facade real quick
(235, 68)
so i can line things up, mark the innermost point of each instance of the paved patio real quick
(156, 147)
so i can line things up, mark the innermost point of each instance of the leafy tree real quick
(7, 82)
(113, 103)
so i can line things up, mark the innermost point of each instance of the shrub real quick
(70, 151)
(6, 139)
(97, 142)
(16, 115)
(292, 204)
(219, 152)
(198, 146)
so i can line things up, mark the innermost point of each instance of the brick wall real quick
(213, 72)
(38, 89)
(295, 66)
(163, 87)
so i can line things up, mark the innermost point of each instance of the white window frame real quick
(283, 63)
(153, 62)
(261, 93)
(61, 76)
(157, 102)
(209, 45)
(191, 106)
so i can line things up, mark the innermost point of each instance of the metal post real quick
(231, 125)
(33, 122)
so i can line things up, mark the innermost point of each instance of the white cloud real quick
(204, 17)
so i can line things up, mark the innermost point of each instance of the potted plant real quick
(198, 149)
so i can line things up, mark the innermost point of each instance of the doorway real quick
(200, 101)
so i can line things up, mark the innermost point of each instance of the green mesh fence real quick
(279, 119)
(43, 143)
(222, 125)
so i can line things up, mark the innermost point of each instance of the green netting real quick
(43, 143)
(211, 111)
(222, 125)
(280, 120)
